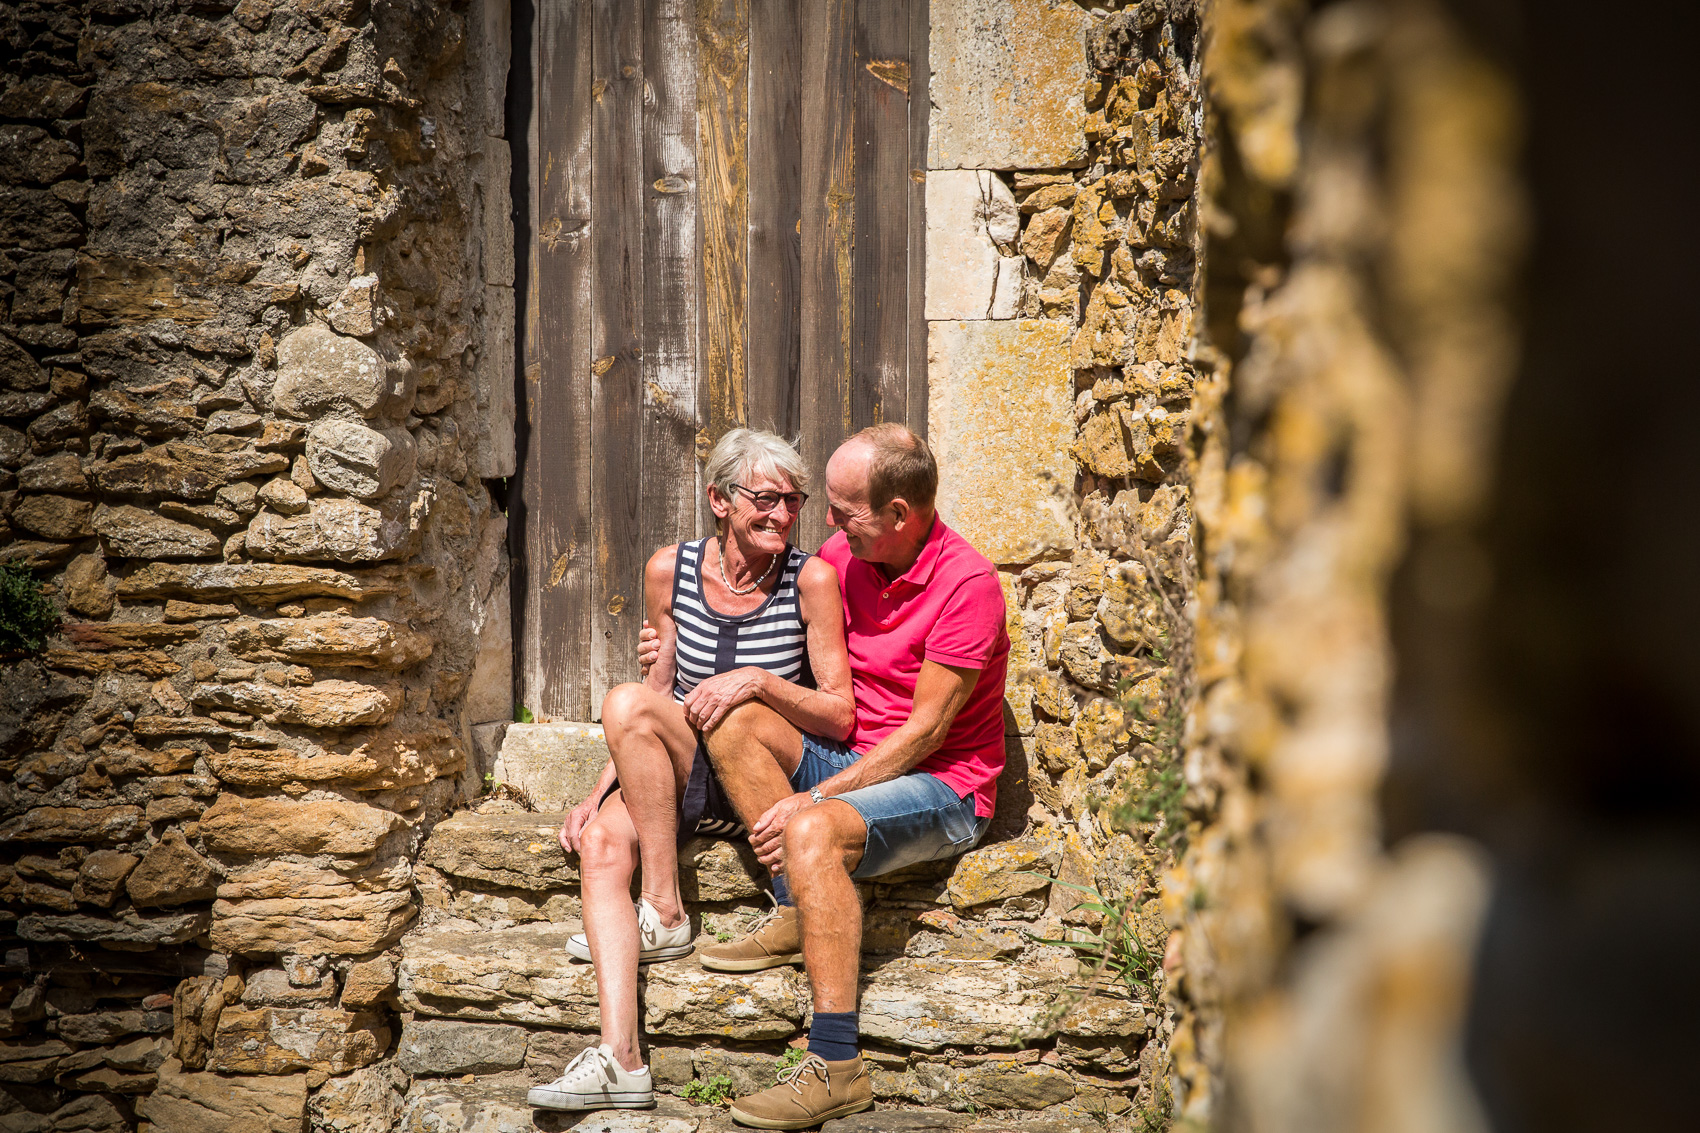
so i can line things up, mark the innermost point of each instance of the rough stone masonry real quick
(255, 378)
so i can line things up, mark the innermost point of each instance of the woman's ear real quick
(718, 504)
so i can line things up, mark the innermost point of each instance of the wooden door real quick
(725, 208)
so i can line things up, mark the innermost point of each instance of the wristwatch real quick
(814, 793)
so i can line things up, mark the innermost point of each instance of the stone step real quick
(496, 1104)
(556, 765)
(497, 868)
(522, 975)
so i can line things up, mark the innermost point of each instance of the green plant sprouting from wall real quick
(717, 1090)
(27, 616)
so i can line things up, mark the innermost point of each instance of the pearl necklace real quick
(752, 585)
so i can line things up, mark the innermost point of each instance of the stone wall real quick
(256, 359)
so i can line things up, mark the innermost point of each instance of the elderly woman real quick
(742, 616)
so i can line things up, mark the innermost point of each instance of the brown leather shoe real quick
(809, 1093)
(776, 939)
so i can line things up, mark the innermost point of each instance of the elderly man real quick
(924, 618)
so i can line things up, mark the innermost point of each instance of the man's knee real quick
(818, 837)
(743, 723)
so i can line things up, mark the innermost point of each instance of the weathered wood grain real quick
(775, 193)
(920, 106)
(828, 228)
(670, 471)
(879, 363)
(723, 203)
(555, 478)
(616, 331)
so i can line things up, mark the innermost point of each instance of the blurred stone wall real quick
(1211, 361)
(255, 381)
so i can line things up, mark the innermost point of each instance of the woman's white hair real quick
(743, 453)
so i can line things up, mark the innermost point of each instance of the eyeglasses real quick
(767, 501)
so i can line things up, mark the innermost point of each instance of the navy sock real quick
(781, 891)
(832, 1035)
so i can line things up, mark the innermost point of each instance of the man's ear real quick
(900, 511)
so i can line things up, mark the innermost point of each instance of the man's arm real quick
(940, 693)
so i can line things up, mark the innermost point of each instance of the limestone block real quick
(994, 873)
(271, 987)
(341, 530)
(684, 998)
(1008, 84)
(520, 974)
(172, 873)
(711, 869)
(490, 692)
(329, 640)
(135, 533)
(973, 269)
(319, 370)
(279, 877)
(497, 1105)
(101, 877)
(515, 851)
(495, 385)
(87, 587)
(277, 826)
(285, 497)
(365, 1101)
(210, 1103)
(348, 457)
(992, 1084)
(73, 824)
(183, 470)
(444, 1046)
(358, 311)
(54, 517)
(930, 1004)
(278, 1040)
(407, 755)
(322, 704)
(127, 928)
(1000, 419)
(338, 926)
(556, 765)
(368, 983)
(260, 583)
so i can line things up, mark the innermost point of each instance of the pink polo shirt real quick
(948, 608)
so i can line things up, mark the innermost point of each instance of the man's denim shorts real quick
(913, 818)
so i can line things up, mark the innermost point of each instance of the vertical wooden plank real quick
(670, 471)
(617, 269)
(879, 365)
(920, 107)
(555, 478)
(828, 219)
(775, 272)
(723, 203)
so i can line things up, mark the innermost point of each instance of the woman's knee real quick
(603, 848)
(626, 705)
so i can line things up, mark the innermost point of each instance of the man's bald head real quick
(899, 465)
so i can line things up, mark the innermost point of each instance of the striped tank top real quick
(770, 637)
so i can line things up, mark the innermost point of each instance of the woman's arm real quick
(658, 612)
(828, 710)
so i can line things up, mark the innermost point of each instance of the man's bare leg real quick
(652, 745)
(823, 845)
(609, 854)
(754, 752)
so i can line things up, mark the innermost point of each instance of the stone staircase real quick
(492, 1004)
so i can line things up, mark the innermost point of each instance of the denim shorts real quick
(912, 818)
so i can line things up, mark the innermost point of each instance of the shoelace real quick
(811, 1063)
(768, 917)
(590, 1063)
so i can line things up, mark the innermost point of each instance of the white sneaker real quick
(654, 941)
(594, 1080)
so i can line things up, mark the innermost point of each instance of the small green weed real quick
(717, 1090)
(27, 617)
(790, 1058)
(1117, 950)
(522, 715)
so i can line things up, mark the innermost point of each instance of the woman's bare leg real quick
(606, 860)
(652, 747)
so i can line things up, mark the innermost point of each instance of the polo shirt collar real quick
(921, 571)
